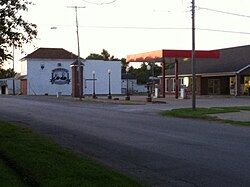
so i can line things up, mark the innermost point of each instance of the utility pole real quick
(14, 89)
(80, 87)
(193, 63)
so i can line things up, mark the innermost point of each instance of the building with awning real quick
(218, 72)
(165, 57)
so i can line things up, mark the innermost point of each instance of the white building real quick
(48, 71)
(6, 86)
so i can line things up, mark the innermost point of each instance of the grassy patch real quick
(40, 162)
(8, 177)
(203, 113)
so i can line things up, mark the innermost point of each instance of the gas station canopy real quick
(160, 55)
(164, 54)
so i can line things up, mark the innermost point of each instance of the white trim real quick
(248, 66)
(220, 74)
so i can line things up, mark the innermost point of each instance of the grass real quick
(8, 177)
(32, 160)
(203, 113)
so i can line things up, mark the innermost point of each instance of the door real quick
(214, 86)
(3, 90)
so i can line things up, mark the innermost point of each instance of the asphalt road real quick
(156, 150)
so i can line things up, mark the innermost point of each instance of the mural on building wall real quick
(60, 76)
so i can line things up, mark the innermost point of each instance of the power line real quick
(157, 28)
(223, 12)
(103, 3)
(225, 31)
(167, 28)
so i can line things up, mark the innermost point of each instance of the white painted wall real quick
(101, 74)
(9, 88)
(38, 79)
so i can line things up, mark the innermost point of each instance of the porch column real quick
(176, 79)
(163, 77)
(237, 86)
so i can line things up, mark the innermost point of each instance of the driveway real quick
(135, 140)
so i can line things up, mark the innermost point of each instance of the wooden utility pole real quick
(193, 64)
(80, 87)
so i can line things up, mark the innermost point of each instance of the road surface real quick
(157, 150)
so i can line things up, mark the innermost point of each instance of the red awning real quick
(158, 56)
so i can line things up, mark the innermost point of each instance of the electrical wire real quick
(103, 3)
(225, 31)
(156, 28)
(223, 12)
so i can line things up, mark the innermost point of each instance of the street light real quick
(127, 92)
(109, 95)
(149, 97)
(94, 95)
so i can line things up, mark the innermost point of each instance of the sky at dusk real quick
(133, 26)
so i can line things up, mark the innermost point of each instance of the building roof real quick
(51, 53)
(231, 60)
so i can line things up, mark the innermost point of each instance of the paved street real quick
(135, 140)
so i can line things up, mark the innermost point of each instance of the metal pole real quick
(94, 95)
(109, 96)
(127, 93)
(193, 58)
(14, 89)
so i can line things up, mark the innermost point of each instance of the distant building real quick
(6, 86)
(133, 87)
(48, 71)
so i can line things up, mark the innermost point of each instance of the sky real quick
(133, 26)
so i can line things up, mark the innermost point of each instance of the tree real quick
(94, 56)
(8, 73)
(105, 54)
(124, 65)
(14, 30)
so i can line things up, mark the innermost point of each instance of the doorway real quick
(3, 90)
(214, 86)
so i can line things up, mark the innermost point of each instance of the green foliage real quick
(142, 74)
(94, 56)
(40, 162)
(14, 30)
(7, 73)
(9, 177)
(103, 56)
(203, 113)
